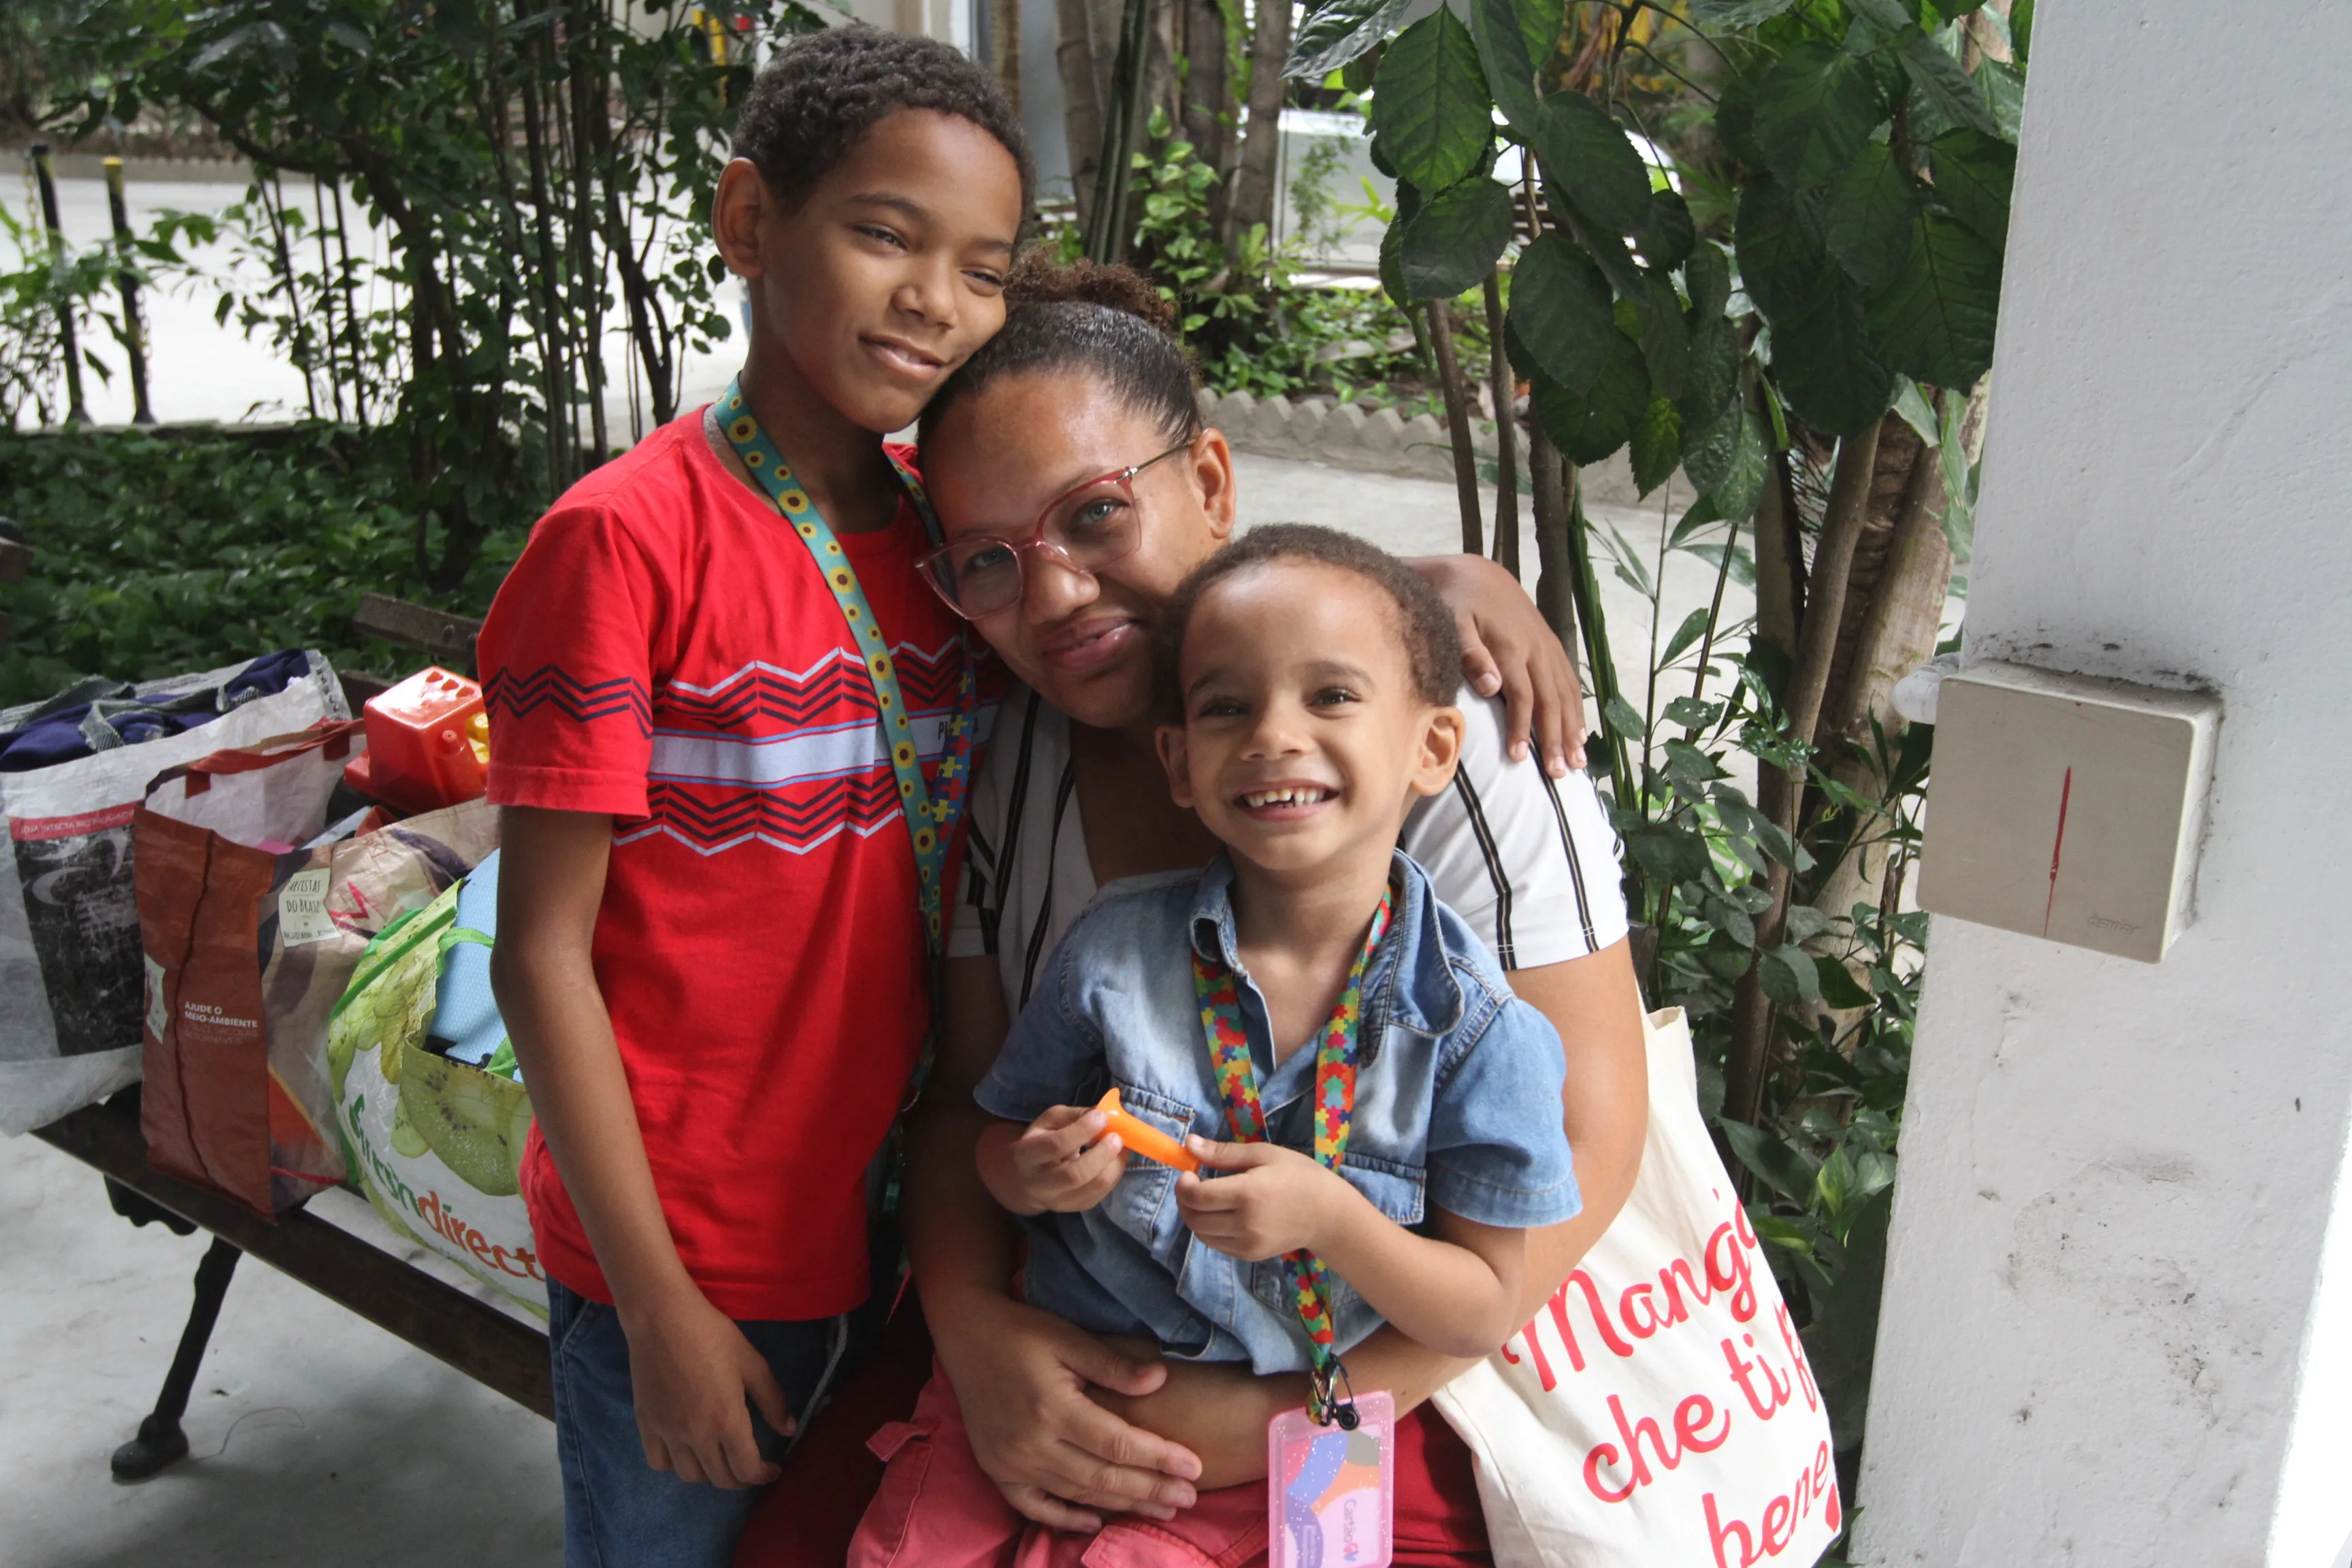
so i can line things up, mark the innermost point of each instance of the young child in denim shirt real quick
(1309, 679)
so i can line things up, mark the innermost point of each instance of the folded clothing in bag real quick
(99, 715)
(466, 1024)
(72, 986)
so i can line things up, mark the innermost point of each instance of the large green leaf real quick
(1826, 364)
(1935, 73)
(2003, 87)
(1587, 155)
(1505, 56)
(1540, 27)
(1431, 111)
(1608, 252)
(1710, 396)
(1392, 265)
(1666, 338)
(1814, 110)
(1587, 427)
(1708, 275)
(1868, 220)
(1935, 323)
(1786, 1168)
(1667, 238)
(1974, 175)
(1559, 311)
(1783, 252)
(1735, 120)
(1336, 32)
(1452, 244)
(1735, 495)
(1657, 445)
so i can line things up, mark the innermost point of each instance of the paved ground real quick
(316, 1438)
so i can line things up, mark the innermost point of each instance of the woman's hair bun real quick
(1038, 280)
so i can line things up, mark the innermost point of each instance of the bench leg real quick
(160, 1439)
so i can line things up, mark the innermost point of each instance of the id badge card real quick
(1331, 1493)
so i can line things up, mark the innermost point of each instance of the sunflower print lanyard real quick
(1335, 1104)
(930, 813)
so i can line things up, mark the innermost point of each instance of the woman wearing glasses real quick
(1077, 486)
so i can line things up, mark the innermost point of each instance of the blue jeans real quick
(618, 1510)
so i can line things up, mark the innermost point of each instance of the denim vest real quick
(1457, 1106)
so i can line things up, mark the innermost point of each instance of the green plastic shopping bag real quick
(436, 1144)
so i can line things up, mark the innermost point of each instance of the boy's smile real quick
(1303, 738)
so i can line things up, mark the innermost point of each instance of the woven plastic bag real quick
(73, 989)
(1659, 1411)
(434, 1143)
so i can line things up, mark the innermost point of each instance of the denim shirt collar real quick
(1410, 982)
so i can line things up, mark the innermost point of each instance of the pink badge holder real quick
(1331, 1491)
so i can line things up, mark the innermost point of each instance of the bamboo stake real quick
(350, 311)
(76, 412)
(277, 211)
(134, 329)
(587, 280)
(327, 298)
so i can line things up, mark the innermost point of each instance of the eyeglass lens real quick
(1090, 528)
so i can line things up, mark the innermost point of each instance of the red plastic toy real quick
(428, 744)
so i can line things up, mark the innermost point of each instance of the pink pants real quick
(938, 1508)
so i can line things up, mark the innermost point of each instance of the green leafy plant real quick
(541, 169)
(1758, 241)
(155, 553)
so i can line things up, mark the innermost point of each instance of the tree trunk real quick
(1207, 121)
(1261, 161)
(1457, 425)
(1748, 1062)
(1084, 56)
(1555, 566)
(1507, 434)
(1780, 560)
(1004, 48)
(1901, 454)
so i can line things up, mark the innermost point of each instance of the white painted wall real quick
(2108, 1335)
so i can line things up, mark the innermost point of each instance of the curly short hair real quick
(816, 99)
(1433, 646)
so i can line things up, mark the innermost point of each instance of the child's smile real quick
(1304, 738)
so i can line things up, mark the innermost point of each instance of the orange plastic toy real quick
(428, 744)
(1142, 1138)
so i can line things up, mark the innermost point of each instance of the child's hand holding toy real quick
(1274, 1200)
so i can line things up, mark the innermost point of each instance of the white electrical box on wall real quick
(2067, 806)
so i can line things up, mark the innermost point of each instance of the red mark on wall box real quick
(2057, 847)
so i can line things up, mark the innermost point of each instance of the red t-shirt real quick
(665, 652)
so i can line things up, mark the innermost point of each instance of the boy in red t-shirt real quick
(729, 727)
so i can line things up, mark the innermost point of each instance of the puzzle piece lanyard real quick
(1335, 1105)
(931, 812)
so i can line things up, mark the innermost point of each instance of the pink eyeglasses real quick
(1085, 528)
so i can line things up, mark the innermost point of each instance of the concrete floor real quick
(316, 1438)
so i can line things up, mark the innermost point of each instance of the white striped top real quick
(1529, 860)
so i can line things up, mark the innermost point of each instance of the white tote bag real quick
(74, 985)
(1659, 1412)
